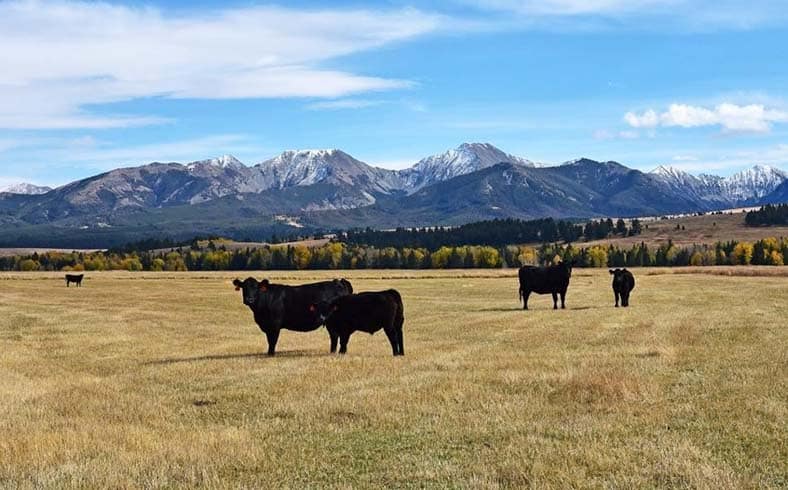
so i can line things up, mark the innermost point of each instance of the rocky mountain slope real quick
(330, 189)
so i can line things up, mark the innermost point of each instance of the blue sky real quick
(86, 87)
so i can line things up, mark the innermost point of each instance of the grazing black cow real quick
(623, 284)
(276, 306)
(365, 312)
(75, 278)
(553, 280)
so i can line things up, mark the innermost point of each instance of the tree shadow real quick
(224, 357)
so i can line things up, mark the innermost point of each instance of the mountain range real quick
(328, 189)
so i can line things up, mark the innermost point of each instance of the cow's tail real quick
(521, 293)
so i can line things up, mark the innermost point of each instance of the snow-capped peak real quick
(332, 166)
(466, 158)
(25, 188)
(667, 170)
(224, 161)
(754, 182)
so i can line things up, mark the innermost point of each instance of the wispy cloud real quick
(61, 57)
(574, 7)
(339, 104)
(46, 160)
(606, 134)
(730, 117)
(695, 15)
(711, 161)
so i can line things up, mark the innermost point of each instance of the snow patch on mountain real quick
(222, 162)
(25, 188)
(744, 187)
(753, 183)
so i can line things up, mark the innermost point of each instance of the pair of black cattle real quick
(331, 303)
(555, 280)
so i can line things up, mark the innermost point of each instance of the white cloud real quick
(604, 134)
(343, 104)
(730, 117)
(685, 158)
(645, 15)
(61, 57)
(573, 7)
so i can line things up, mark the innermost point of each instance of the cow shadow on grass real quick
(225, 357)
(501, 309)
(531, 308)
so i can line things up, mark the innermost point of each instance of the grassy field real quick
(158, 380)
(707, 229)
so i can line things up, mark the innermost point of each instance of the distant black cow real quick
(75, 278)
(276, 306)
(545, 280)
(623, 284)
(365, 312)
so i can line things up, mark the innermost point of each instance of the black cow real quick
(545, 280)
(276, 306)
(365, 312)
(623, 284)
(75, 278)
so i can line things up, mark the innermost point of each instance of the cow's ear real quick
(237, 283)
(335, 308)
(611, 271)
(312, 308)
(263, 286)
(265, 282)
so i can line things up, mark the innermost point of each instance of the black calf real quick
(623, 284)
(365, 312)
(75, 278)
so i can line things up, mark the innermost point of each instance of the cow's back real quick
(289, 305)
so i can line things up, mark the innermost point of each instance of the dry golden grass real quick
(158, 380)
(708, 229)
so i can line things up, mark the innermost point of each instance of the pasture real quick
(159, 380)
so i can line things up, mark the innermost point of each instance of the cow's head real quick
(618, 275)
(251, 288)
(567, 265)
(323, 310)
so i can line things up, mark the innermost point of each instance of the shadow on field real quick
(520, 308)
(501, 309)
(224, 357)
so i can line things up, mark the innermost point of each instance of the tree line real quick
(338, 255)
(494, 233)
(769, 215)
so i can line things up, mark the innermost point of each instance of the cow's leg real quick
(273, 337)
(555, 301)
(563, 299)
(526, 294)
(625, 299)
(334, 340)
(615, 293)
(391, 333)
(401, 340)
(344, 338)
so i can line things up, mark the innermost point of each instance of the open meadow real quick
(140, 380)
